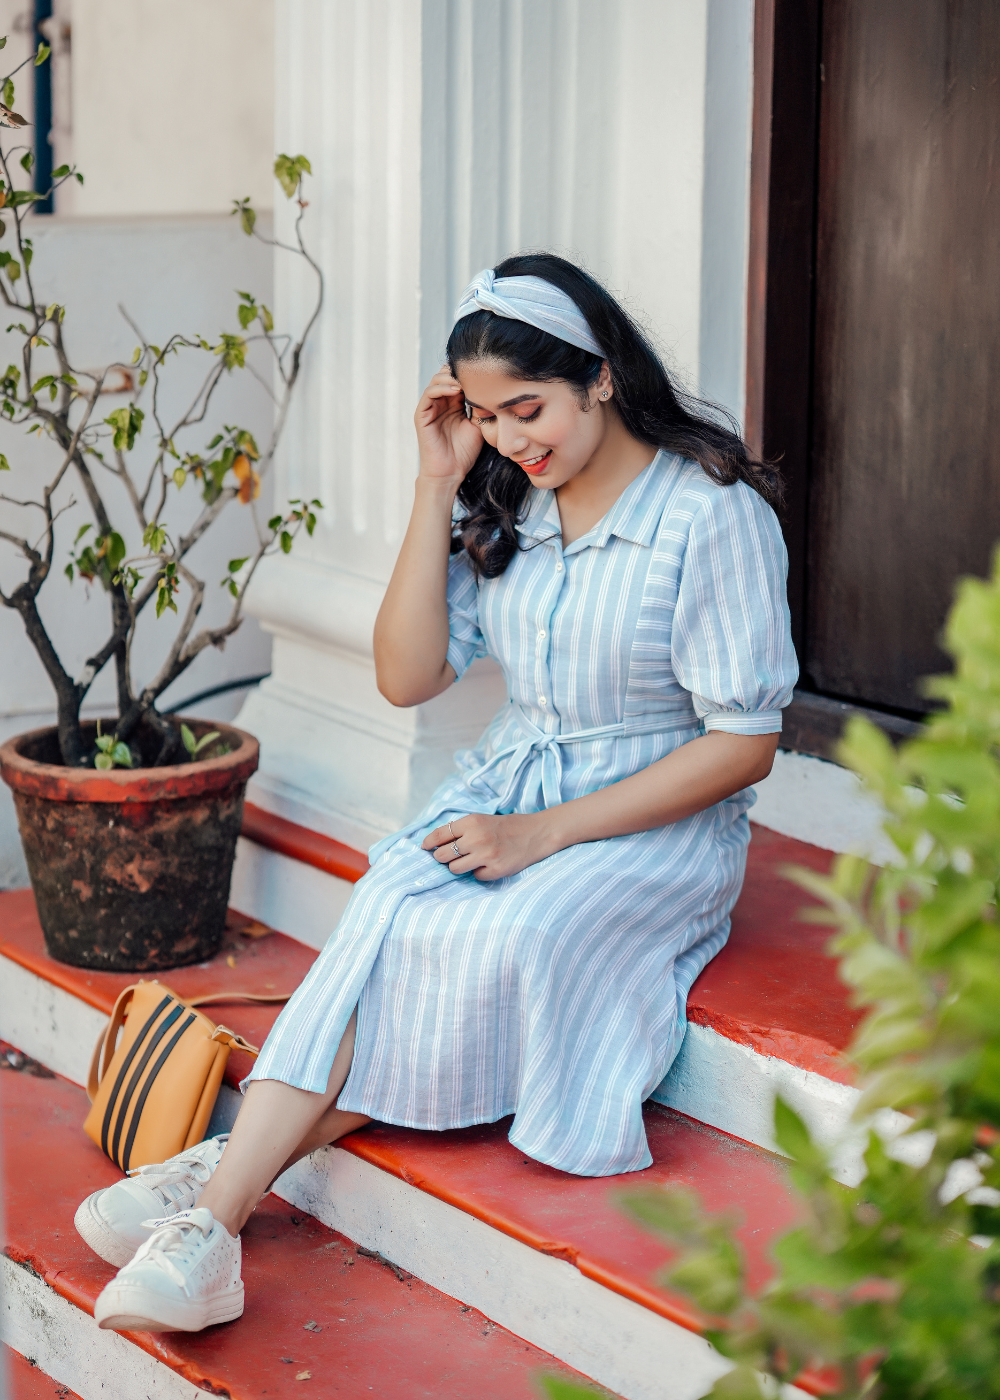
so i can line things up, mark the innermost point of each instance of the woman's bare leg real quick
(276, 1126)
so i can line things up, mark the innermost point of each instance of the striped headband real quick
(529, 299)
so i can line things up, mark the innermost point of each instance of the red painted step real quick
(381, 1334)
(26, 1382)
(773, 987)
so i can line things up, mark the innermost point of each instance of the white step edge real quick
(67, 1344)
(286, 894)
(714, 1080)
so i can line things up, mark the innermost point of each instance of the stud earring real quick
(605, 394)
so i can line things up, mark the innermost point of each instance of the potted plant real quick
(129, 825)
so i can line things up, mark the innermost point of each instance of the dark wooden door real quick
(903, 470)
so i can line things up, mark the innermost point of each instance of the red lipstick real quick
(537, 467)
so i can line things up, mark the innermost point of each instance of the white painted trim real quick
(823, 804)
(286, 894)
(67, 1344)
(49, 1024)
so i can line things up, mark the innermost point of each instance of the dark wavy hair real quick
(494, 494)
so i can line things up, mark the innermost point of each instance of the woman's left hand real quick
(490, 847)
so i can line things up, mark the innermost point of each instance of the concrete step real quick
(373, 1328)
(479, 1235)
(27, 1381)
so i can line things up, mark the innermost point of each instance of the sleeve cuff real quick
(735, 722)
(460, 657)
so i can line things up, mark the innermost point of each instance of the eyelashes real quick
(492, 418)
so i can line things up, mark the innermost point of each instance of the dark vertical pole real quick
(43, 113)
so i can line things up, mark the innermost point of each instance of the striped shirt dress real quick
(558, 994)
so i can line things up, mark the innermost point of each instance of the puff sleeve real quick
(731, 644)
(465, 640)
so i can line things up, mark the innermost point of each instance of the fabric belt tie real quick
(549, 748)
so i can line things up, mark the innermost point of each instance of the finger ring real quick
(452, 830)
(454, 847)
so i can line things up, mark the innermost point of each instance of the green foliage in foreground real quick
(892, 1289)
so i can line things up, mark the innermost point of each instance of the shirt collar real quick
(633, 517)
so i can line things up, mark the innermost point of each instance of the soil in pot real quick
(131, 867)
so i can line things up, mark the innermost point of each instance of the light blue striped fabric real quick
(558, 994)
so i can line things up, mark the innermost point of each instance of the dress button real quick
(541, 636)
(381, 918)
(541, 699)
(559, 568)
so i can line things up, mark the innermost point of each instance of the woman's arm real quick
(411, 631)
(693, 777)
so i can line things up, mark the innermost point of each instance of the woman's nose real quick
(509, 442)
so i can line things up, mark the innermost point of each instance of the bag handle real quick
(105, 1048)
(106, 1042)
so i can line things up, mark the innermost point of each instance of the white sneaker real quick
(185, 1277)
(112, 1220)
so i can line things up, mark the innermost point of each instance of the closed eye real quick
(531, 416)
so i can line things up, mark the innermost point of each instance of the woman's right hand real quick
(449, 441)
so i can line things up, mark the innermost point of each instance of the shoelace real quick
(175, 1175)
(170, 1237)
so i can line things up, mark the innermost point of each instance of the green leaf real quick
(137, 354)
(60, 172)
(179, 477)
(19, 197)
(3, 42)
(189, 741)
(42, 54)
(556, 1388)
(13, 270)
(286, 542)
(80, 533)
(274, 522)
(207, 739)
(236, 564)
(103, 761)
(127, 423)
(8, 93)
(232, 587)
(79, 177)
(4, 464)
(214, 443)
(266, 320)
(115, 551)
(246, 314)
(27, 160)
(289, 171)
(105, 742)
(122, 755)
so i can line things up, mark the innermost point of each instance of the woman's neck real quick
(587, 497)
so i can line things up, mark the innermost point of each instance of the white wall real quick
(170, 275)
(172, 105)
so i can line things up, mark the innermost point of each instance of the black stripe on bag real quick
(161, 1061)
(136, 1047)
(154, 1041)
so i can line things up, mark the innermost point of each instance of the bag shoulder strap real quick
(106, 1041)
(234, 996)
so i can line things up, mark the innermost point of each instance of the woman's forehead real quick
(490, 384)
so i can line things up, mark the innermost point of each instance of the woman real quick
(527, 944)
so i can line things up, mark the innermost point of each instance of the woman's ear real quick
(604, 388)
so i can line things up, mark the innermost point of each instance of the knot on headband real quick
(532, 300)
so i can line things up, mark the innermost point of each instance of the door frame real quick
(781, 305)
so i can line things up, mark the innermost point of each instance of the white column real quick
(444, 135)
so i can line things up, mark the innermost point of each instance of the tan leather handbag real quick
(152, 1093)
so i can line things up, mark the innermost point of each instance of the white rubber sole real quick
(132, 1307)
(105, 1242)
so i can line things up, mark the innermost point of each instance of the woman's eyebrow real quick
(508, 403)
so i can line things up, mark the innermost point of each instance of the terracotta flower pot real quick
(130, 867)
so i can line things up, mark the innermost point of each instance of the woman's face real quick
(546, 428)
